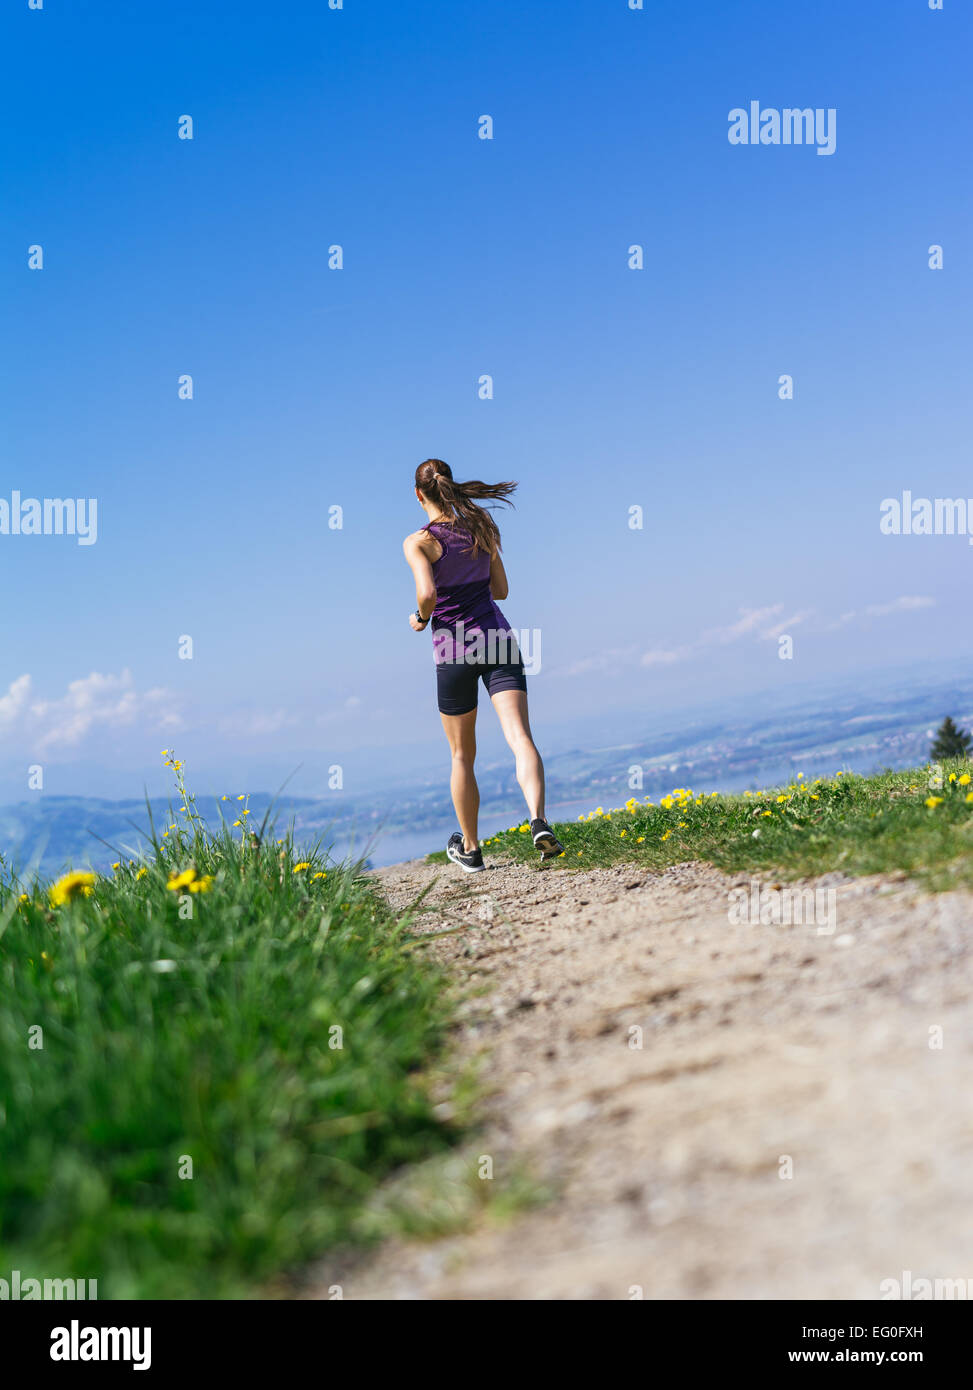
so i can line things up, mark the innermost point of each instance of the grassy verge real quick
(919, 822)
(208, 1061)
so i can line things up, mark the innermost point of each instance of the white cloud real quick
(256, 722)
(898, 605)
(906, 604)
(763, 624)
(750, 619)
(752, 622)
(13, 704)
(788, 624)
(661, 657)
(89, 703)
(600, 661)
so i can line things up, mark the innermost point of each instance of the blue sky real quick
(613, 387)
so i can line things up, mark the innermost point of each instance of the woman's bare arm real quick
(417, 555)
(499, 588)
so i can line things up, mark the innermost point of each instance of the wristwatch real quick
(421, 619)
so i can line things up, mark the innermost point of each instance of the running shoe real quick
(470, 860)
(545, 840)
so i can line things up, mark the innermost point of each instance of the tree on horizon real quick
(950, 742)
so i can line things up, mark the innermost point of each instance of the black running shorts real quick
(458, 683)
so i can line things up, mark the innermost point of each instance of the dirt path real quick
(758, 1042)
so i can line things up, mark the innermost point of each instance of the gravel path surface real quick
(764, 1049)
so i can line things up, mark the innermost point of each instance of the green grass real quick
(197, 1025)
(858, 825)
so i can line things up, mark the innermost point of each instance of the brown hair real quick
(435, 480)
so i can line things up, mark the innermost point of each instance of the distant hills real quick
(816, 737)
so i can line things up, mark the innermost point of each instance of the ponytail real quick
(458, 502)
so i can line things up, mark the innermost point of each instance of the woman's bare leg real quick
(461, 732)
(511, 708)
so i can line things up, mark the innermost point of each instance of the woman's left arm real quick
(421, 567)
(499, 588)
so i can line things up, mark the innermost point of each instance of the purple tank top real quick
(464, 607)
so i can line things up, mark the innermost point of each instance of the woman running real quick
(455, 559)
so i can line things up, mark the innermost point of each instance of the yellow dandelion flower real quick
(76, 884)
(319, 875)
(964, 781)
(623, 834)
(640, 840)
(933, 801)
(298, 868)
(235, 823)
(201, 885)
(118, 865)
(140, 873)
(182, 880)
